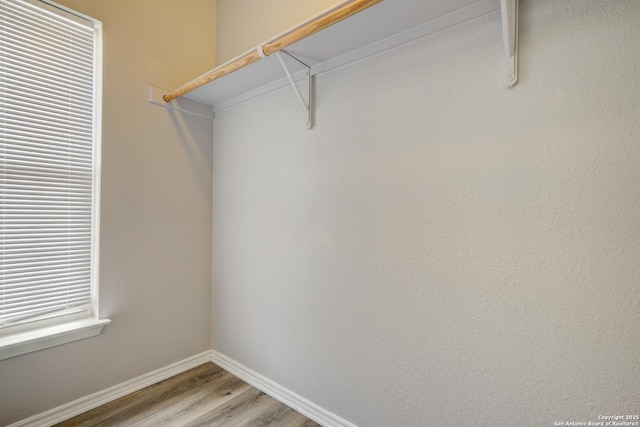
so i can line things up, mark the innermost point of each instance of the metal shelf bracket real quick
(304, 100)
(509, 9)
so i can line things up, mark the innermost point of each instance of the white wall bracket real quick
(509, 9)
(304, 96)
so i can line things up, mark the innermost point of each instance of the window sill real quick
(39, 339)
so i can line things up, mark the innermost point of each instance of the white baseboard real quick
(278, 392)
(84, 404)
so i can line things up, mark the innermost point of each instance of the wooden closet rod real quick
(273, 46)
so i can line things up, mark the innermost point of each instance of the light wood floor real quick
(203, 396)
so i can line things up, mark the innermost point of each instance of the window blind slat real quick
(45, 255)
(10, 152)
(47, 109)
(26, 35)
(38, 309)
(34, 277)
(21, 291)
(45, 77)
(34, 95)
(44, 250)
(58, 185)
(27, 277)
(35, 271)
(63, 129)
(48, 304)
(42, 64)
(57, 296)
(32, 262)
(26, 12)
(52, 300)
(25, 110)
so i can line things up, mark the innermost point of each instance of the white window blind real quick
(48, 150)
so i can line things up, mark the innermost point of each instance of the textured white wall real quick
(156, 213)
(242, 24)
(440, 250)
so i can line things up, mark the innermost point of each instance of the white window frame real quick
(67, 326)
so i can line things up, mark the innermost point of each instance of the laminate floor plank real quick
(185, 407)
(135, 403)
(295, 419)
(253, 408)
(203, 396)
(185, 412)
(223, 416)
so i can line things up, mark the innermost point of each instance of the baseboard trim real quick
(280, 393)
(84, 404)
(273, 389)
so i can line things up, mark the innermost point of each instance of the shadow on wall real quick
(198, 152)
